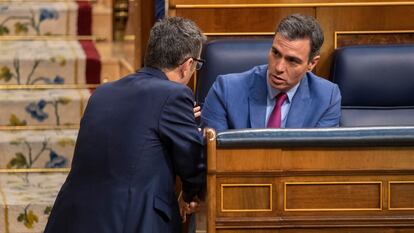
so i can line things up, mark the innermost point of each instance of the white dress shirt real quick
(271, 99)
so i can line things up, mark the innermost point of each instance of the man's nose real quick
(280, 66)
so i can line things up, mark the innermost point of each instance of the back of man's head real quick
(298, 26)
(171, 41)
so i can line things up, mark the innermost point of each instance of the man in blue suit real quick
(136, 135)
(246, 100)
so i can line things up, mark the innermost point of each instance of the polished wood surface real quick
(219, 20)
(390, 18)
(211, 179)
(174, 3)
(401, 195)
(301, 160)
(259, 17)
(309, 190)
(348, 38)
(240, 197)
(317, 230)
(333, 196)
(146, 19)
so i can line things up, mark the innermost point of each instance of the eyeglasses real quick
(200, 63)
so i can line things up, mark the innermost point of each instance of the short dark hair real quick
(171, 41)
(299, 26)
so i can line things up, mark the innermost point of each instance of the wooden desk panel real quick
(313, 189)
(359, 19)
(315, 159)
(186, 3)
(333, 196)
(400, 195)
(317, 230)
(230, 20)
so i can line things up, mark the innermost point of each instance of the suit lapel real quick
(257, 99)
(300, 106)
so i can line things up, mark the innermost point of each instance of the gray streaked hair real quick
(299, 26)
(171, 41)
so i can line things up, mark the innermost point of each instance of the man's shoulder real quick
(144, 83)
(170, 89)
(243, 77)
(315, 81)
(321, 88)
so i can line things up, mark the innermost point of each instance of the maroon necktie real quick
(275, 118)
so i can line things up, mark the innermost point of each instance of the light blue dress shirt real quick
(271, 99)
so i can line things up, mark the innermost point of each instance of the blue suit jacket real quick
(238, 101)
(136, 135)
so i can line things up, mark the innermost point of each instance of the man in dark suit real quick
(247, 100)
(136, 135)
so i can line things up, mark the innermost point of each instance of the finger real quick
(196, 108)
(182, 212)
(184, 218)
(194, 206)
(197, 114)
(187, 208)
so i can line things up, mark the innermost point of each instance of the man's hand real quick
(187, 208)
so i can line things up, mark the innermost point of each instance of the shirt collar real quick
(272, 92)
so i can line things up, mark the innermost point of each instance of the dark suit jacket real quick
(136, 135)
(239, 100)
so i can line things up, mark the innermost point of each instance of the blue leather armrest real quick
(327, 137)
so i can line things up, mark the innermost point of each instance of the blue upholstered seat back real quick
(376, 83)
(226, 56)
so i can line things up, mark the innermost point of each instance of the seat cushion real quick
(376, 84)
(226, 56)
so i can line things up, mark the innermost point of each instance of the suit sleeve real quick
(179, 133)
(332, 115)
(214, 113)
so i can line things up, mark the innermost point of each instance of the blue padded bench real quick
(376, 83)
(229, 56)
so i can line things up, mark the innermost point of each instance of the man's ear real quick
(313, 62)
(186, 67)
